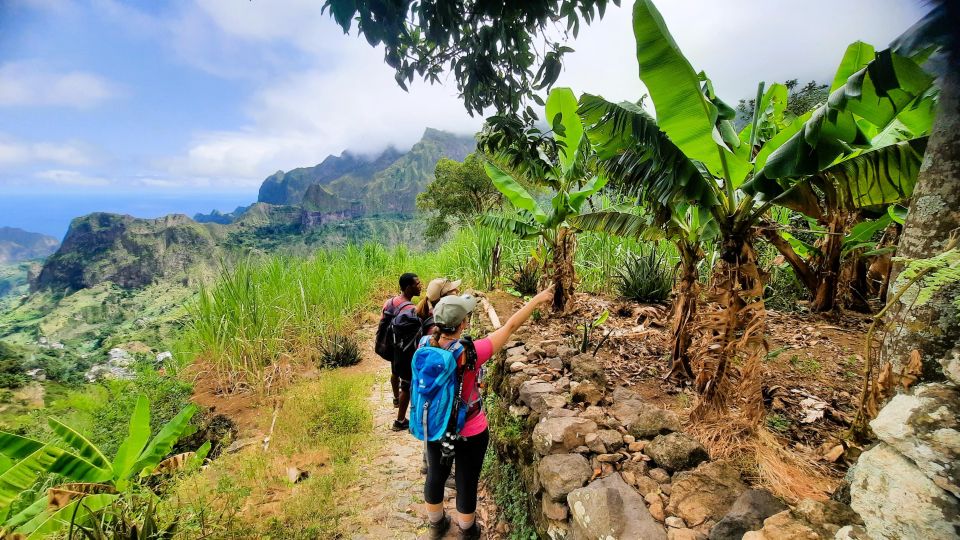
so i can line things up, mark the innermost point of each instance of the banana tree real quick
(688, 227)
(860, 150)
(708, 164)
(566, 172)
(93, 481)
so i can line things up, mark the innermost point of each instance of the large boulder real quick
(641, 419)
(562, 473)
(586, 392)
(896, 500)
(924, 426)
(706, 492)
(747, 514)
(676, 452)
(609, 509)
(561, 434)
(584, 367)
(826, 517)
(540, 396)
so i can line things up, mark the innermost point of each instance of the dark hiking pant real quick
(469, 461)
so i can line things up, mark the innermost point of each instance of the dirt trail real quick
(389, 494)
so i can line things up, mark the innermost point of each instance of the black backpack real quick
(398, 332)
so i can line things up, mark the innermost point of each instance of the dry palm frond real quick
(60, 496)
(761, 455)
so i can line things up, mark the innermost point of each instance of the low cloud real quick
(70, 178)
(14, 152)
(28, 84)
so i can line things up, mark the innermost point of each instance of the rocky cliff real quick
(19, 245)
(128, 251)
(384, 184)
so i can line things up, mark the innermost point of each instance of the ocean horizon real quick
(51, 214)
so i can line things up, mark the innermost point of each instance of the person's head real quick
(410, 285)
(440, 287)
(452, 314)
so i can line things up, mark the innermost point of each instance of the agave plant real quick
(91, 477)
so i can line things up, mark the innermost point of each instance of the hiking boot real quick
(473, 533)
(400, 425)
(439, 529)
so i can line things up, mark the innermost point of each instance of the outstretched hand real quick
(545, 296)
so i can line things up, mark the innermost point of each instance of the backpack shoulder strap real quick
(470, 349)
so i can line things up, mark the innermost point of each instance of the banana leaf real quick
(879, 177)
(618, 223)
(855, 58)
(562, 111)
(518, 196)
(47, 523)
(683, 112)
(161, 445)
(639, 157)
(86, 449)
(514, 226)
(137, 437)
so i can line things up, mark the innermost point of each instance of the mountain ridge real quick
(17, 245)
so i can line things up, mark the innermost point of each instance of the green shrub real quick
(510, 495)
(645, 276)
(526, 277)
(12, 367)
(783, 291)
(339, 350)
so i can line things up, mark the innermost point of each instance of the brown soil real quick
(812, 373)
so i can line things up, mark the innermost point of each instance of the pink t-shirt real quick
(476, 423)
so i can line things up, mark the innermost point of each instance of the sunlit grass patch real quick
(322, 435)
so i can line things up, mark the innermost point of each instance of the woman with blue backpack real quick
(445, 405)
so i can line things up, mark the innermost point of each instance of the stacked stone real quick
(610, 465)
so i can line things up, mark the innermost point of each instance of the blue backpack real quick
(436, 389)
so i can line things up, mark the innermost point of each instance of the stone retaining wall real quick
(599, 462)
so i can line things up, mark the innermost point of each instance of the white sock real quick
(435, 517)
(464, 525)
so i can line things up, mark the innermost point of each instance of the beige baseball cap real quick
(439, 287)
(450, 311)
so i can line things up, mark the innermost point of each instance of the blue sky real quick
(211, 96)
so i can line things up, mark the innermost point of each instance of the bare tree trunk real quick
(687, 292)
(828, 264)
(932, 329)
(564, 274)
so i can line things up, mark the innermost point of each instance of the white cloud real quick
(62, 177)
(737, 42)
(28, 83)
(14, 152)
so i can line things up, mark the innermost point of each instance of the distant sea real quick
(51, 214)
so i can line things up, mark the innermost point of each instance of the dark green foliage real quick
(526, 278)
(783, 291)
(645, 277)
(458, 194)
(493, 49)
(339, 350)
(11, 367)
(61, 365)
(167, 395)
(510, 495)
(132, 517)
(799, 101)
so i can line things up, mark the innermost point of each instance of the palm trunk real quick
(828, 264)
(732, 339)
(686, 292)
(564, 274)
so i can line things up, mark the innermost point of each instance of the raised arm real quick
(500, 336)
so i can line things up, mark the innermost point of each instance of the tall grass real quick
(264, 315)
(600, 257)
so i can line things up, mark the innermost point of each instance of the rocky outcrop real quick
(385, 183)
(907, 485)
(705, 493)
(128, 251)
(676, 452)
(897, 500)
